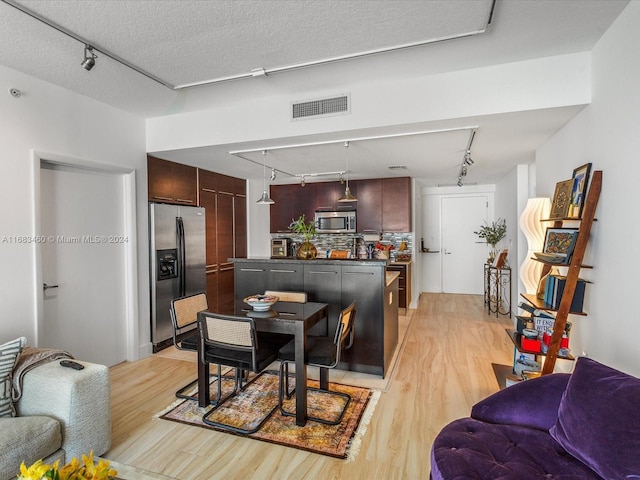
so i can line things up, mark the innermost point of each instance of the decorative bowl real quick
(261, 303)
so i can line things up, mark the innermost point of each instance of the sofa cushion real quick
(9, 353)
(27, 439)
(533, 403)
(599, 421)
(474, 450)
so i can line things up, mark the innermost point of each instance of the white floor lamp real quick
(534, 230)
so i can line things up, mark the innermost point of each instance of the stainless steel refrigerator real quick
(177, 239)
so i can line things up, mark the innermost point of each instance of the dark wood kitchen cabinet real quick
(224, 200)
(291, 202)
(170, 182)
(384, 204)
(369, 209)
(396, 204)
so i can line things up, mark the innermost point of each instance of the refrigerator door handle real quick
(181, 256)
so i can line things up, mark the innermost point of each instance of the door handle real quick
(47, 287)
(447, 252)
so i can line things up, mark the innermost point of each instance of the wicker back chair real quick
(184, 317)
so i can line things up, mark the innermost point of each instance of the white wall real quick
(606, 134)
(51, 120)
(253, 114)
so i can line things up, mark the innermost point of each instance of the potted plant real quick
(306, 251)
(492, 234)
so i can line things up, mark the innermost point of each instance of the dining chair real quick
(322, 352)
(184, 317)
(233, 341)
(285, 296)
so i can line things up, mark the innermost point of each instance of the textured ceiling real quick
(191, 41)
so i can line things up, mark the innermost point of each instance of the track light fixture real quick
(466, 160)
(89, 58)
(265, 199)
(302, 182)
(273, 174)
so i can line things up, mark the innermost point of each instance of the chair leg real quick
(324, 380)
(240, 373)
(180, 392)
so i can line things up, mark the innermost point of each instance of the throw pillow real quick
(598, 421)
(9, 353)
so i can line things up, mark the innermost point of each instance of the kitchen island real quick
(337, 283)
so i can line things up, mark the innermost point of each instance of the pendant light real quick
(347, 197)
(265, 199)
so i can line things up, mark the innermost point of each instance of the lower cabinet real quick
(323, 283)
(365, 285)
(404, 282)
(251, 278)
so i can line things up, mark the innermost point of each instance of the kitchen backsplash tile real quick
(327, 242)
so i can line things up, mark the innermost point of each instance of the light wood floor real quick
(444, 367)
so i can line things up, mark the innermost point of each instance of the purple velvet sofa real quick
(580, 426)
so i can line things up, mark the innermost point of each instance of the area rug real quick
(248, 407)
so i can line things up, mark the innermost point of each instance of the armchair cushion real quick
(533, 403)
(9, 353)
(598, 421)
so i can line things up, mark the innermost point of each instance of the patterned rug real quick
(249, 407)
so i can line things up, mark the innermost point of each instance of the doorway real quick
(85, 277)
(463, 255)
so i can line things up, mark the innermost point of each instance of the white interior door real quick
(83, 263)
(462, 256)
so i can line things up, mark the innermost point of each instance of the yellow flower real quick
(74, 470)
(35, 471)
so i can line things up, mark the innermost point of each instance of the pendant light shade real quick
(348, 196)
(265, 199)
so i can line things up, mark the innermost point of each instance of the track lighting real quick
(273, 174)
(341, 179)
(467, 158)
(89, 58)
(459, 182)
(265, 199)
(302, 182)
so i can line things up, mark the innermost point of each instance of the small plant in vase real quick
(307, 250)
(492, 234)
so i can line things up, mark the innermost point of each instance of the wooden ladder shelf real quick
(591, 202)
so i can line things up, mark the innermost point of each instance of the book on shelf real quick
(535, 312)
(554, 289)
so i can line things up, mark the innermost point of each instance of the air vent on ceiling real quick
(397, 167)
(339, 105)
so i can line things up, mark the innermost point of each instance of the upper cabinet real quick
(291, 202)
(384, 204)
(396, 204)
(170, 182)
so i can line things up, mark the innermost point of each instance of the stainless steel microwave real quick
(336, 222)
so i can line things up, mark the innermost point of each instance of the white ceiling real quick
(189, 41)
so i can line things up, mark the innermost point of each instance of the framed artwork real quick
(561, 200)
(558, 245)
(579, 190)
(501, 259)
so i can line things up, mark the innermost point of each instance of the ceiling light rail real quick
(239, 153)
(256, 72)
(342, 173)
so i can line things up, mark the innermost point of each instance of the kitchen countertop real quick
(391, 276)
(317, 261)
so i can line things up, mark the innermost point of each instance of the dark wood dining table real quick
(284, 317)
